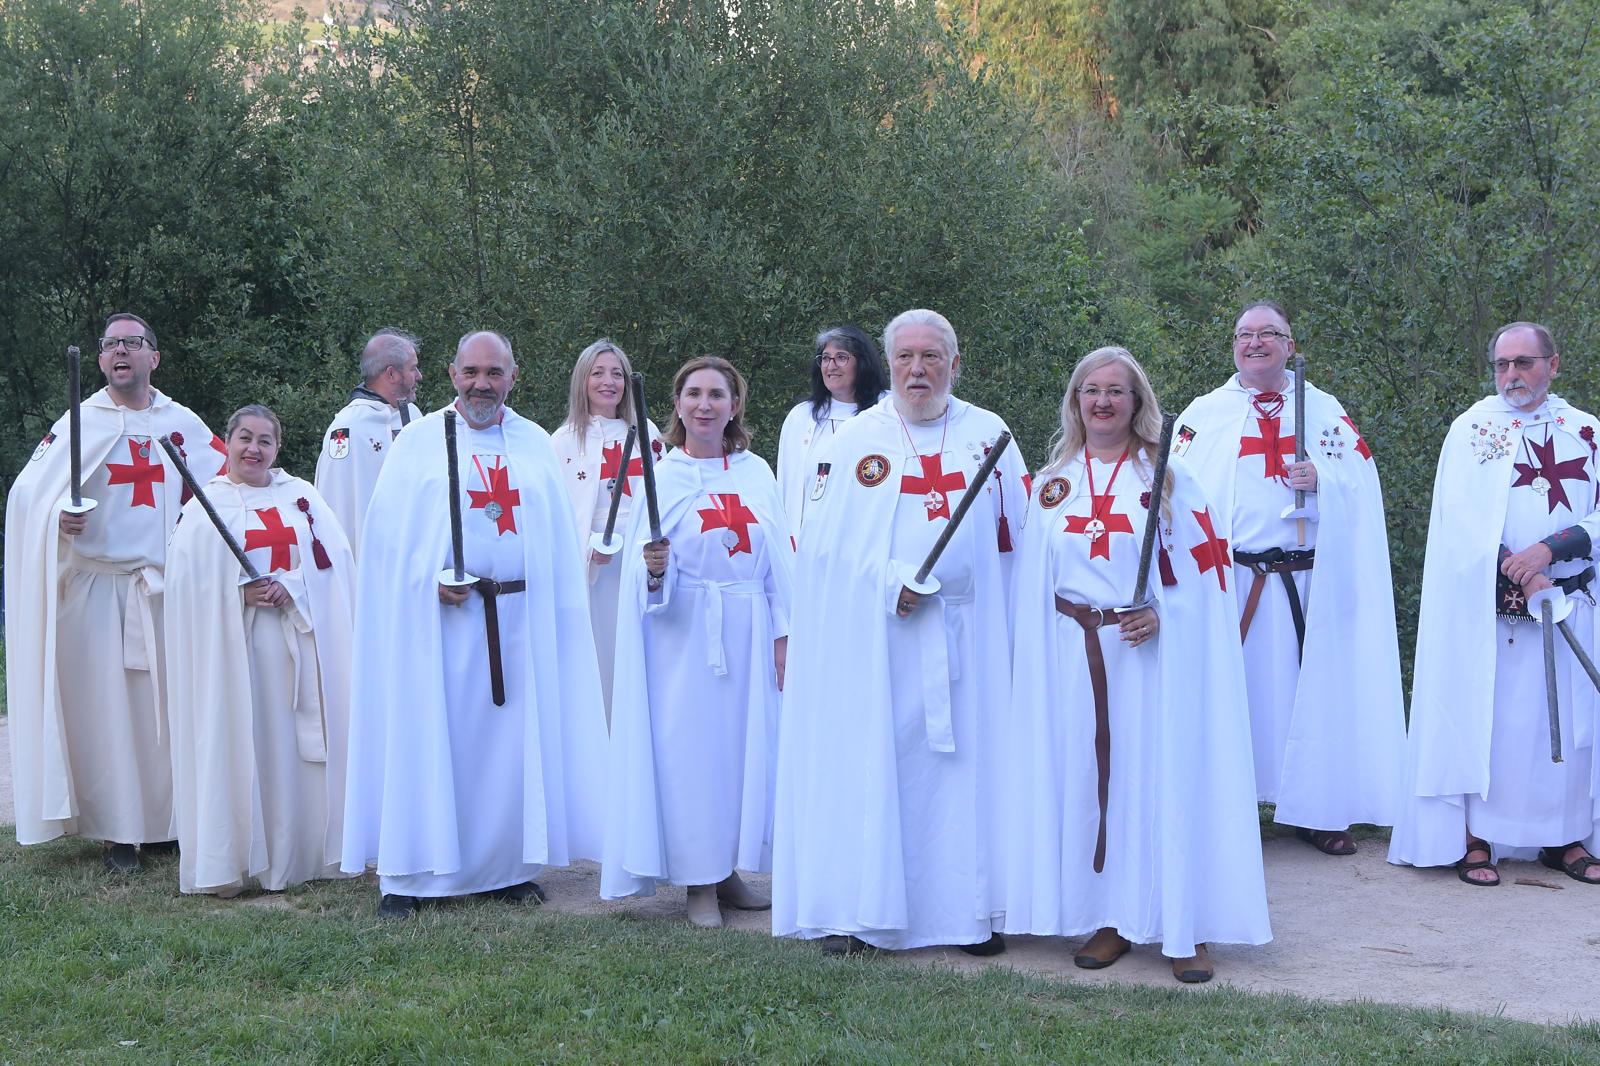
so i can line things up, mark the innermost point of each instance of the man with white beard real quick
(476, 724)
(888, 773)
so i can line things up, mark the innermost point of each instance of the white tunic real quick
(1183, 853)
(1327, 732)
(353, 450)
(590, 468)
(1479, 749)
(889, 799)
(448, 792)
(694, 742)
(89, 747)
(800, 442)
(259, 696)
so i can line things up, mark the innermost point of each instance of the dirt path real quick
(1344, 929)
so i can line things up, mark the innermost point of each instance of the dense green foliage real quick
(128, 971)
(692, 176)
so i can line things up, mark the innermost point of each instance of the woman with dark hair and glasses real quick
(702, 639)
(1132, 816)
(258, 674)
(847, 377)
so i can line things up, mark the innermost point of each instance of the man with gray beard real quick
(477, 730)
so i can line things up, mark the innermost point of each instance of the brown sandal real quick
(1464, 867)
(1328, 841)
(1577, 869)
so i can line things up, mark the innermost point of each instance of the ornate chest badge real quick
(872, 470)
(1489, 441)
(1053, 492)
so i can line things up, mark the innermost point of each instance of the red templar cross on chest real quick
(1271, 445)
(934, 486)
(141, 473)
(273, 534)
(729, 512)
(1097, 523)
(497, 499)
(611, 461)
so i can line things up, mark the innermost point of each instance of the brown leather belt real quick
(1283, 563)
(490, 590)
(1091, 619)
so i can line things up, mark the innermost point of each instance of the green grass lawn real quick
(96, 969)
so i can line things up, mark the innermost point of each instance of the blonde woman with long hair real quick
(1132, 806)
(600, 411)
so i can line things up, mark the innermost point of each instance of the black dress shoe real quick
(523, 893)
(160, 847)
(122, 858)
(993, 946)
(391, 906)
(847, 945)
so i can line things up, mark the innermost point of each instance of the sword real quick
(1546, 620)
(1300, 441)
(601, 542)
(1153, 516)
(642, 419)
(79, 505)
(405, 413)
(455, 575)
(211, 512)
(979, 481)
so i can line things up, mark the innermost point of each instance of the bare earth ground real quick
(1344, 929)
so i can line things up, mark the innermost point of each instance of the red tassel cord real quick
(1005, 526)
(318, 552)
(1169, 577)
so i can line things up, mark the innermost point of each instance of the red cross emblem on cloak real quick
(934, 486)
(1553, 472)
(272, 534)
(497, 499)
(1270, 445)
(1361, 442)
(731, 514)
(141, 473)
(1211, 553)
(1096, 528)
(611, 459)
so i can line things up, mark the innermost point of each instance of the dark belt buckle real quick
(488, 586)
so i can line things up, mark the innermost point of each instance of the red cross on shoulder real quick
(1211, 553)
(934, 485)
(273, 534)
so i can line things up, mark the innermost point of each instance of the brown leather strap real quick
(491, 590)
(1258, 581)
(1091, 619)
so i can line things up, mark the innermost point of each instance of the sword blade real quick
(1550, 680)
(211, 512)
(458, 558)
(1300, 439)
(978, 484)
(75, 423)
(646, 459)
(1152, 518)
(621, 484)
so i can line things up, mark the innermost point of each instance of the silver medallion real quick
(934, 500)
(1541, 485)
(1094, 529)
(730, 539)
(492, 511)
(144, 450)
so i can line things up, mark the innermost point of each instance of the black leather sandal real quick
(1577, 869)
(1463, 867)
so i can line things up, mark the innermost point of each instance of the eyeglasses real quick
(1523, 363)
(1245, 336)
(834, 360)
(133, 344)
(1093, 393)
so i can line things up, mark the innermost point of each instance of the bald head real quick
(483, 373)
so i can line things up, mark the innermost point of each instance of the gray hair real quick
(1271, 305)
(921, 316)
(500, 338)
(1547, 343)
(389, 347)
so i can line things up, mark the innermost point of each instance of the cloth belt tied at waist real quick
(1283, 563)
(490, 590)
(1092, 619)
(939, 632)
(716, 658)
(139, 648)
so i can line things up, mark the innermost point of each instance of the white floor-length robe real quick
(447, 792)
(259, 696)
(84, 647)
(589, 466)
(1183, 847)
(801, 441)
(889, 761)
(694, 741)
(1478, 754)
(1328, 730)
